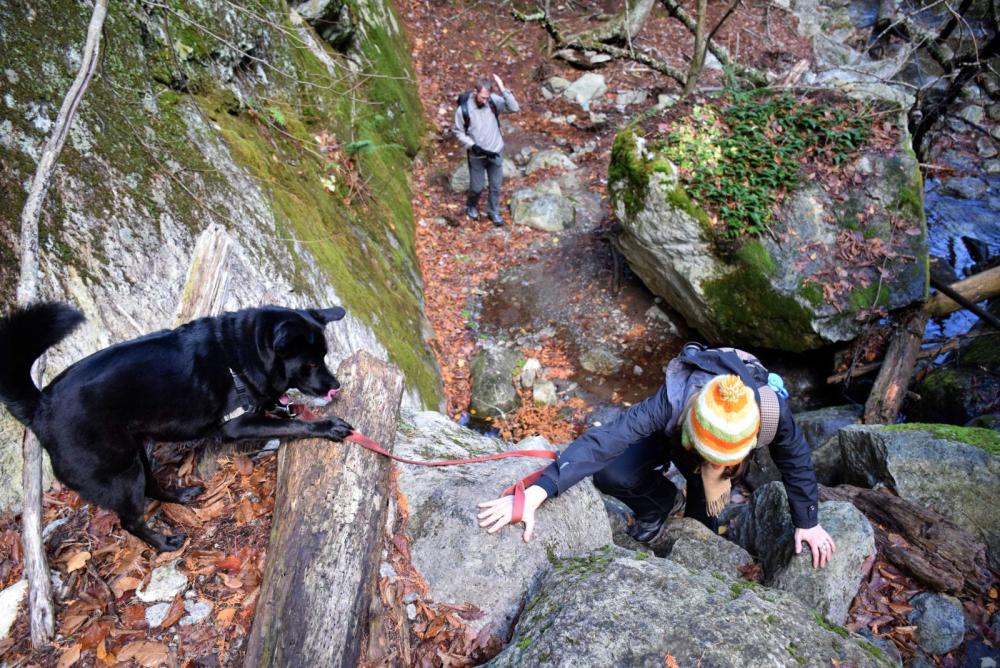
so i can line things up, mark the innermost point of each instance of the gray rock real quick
(692, 544)
(940, 622)
(557, 84)
(992, 167)
(543, 211)
(949, 476)
(601, 361)
(620, 608)
(544, 393)
(764, 528)
(886, 646)
(972, 113)
(155, 614)
(332, 21)
(493, 392)
(986, 148)
(964, 187)
(830, 590)
(995, 623)
(460, 562)
(548, 158)
(665, 101)
(164, 584)
(585, 89)
(529, 372)
(197, 612)
(588, 209)
(459, 182)
(626, 98)
(10, 600)
(820, 429)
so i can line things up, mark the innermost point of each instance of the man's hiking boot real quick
(472, 212)
(496, 218)
(646, 531)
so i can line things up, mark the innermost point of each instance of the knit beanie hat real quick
(722, 422)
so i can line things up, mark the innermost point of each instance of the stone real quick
(529, 372)
(10, 600)
(601, 361)
(924, 464)
(493, 392)
(986, 148)
(331, 20)
(588, 209)
(459, 182)
(165, 583)
(964, 187)
(665, 101)
(627, 98)
(991, 167)
(459, 561)
(557, 84)
(586, 89)
(544, 393)
(972, 113)
(691, 543)
(830, 590)
(155, 614)
(939, 620)
(885, 645)
(819, 428)
(197, 612)
(543, 211)
(615, 607)
(548, 158)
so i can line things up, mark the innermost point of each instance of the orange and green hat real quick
(723, 421)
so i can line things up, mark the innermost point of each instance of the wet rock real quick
(541, 210)
(548, 158)
(935, 465)
(493, 392)
(460, 562)
(10, 600)
(964, 187)
(165, 583)
(601, 361)
(939, 620)
(615, 607)
(586, 89)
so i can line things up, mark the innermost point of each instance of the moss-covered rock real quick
(784, 289)
(206, 113)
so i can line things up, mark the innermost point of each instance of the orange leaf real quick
(243, 464)
(124, 584)
(69, 656)
(146, 653)
(76, 561)
(230, 564)
(669, 661)
(174, 614)
(225, 616)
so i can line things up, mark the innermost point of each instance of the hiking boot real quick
(472, 212)
(495, 217)
(645, 531)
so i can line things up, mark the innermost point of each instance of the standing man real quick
(477, 126)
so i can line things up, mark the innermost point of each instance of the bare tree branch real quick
(35, 565)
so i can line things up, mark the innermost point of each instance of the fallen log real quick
(922, 542)
(329, 514)
(984, 285)
(889, 390)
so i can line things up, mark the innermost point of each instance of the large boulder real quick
(690, 543)
(819, 427)
(949, 469)
(460, 562)
(766, 530)
(768, 290)
(545, 210)
(493, 392)
(620, 608)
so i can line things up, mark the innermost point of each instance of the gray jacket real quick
(484, 128)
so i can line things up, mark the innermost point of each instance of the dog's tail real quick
(24, 335)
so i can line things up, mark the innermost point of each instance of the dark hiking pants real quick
(636, 478)
(479, 168)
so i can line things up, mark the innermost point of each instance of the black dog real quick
(210, 377)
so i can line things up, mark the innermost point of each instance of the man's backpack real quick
(463, 103)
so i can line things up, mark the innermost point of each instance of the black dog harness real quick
(246, 403)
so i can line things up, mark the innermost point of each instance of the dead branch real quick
(35, 565)
(622, 28)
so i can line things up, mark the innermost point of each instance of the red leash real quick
(517, 489)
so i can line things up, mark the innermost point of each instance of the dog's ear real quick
(325, 315)
(289, 337)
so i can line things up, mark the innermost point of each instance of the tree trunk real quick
(622, 28)
(889, 390)
(698, 57)
(329, 517)
(929, 546)
(36, 566)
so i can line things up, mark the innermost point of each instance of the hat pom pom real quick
(731, 389)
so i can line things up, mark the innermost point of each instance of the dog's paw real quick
(339, 430)
(162, 543)
(189, 494)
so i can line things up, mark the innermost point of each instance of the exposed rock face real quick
(493, 391)
(757, 292)
(182, 129)
(620, 608)
(460, 561)
(934, 465)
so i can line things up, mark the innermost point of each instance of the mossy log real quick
(329, 514)
(920, 541)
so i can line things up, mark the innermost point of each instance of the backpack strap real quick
(770, 414)
(463, 102)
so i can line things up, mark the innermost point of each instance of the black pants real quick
(632, 477)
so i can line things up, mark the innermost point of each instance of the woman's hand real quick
(820, 543)
(498, 512)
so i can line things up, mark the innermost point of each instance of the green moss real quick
(641, 555)
(523, 643)
(737, 587)
(830, 626)
(876, 294)
(595, 562)
(680, 200)
(628, 175)
(812, 292)
(984, 439)
(793, 651)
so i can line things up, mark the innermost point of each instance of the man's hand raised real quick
(499, 83)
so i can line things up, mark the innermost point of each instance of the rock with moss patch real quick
(949, 469)
(691, 543)
(540, 209)
(768, 290)
(460, 562)
(617, 608)
(493, 392)
(549, 159)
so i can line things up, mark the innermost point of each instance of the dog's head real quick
(299, 347)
